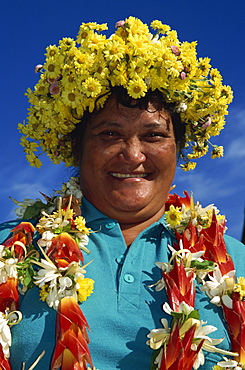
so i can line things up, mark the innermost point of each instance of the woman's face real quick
(128, 162)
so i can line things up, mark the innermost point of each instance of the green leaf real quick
(194, 315)
(155, 354)
(34, 210)
(203, 265)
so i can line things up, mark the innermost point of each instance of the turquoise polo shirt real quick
(123, 308)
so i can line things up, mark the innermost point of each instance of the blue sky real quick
(28, 26)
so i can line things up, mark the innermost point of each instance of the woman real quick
(126, 146)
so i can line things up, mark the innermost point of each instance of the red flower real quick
(23, 233)
(64, 250)
(178, 354)
(71, 351)
(177, 201)
(9, 296)
(235, 319)
(179, 286)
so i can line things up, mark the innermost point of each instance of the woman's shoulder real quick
(236, 249)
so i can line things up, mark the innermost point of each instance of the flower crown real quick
(78, 76)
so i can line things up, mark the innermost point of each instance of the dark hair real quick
(157, 100)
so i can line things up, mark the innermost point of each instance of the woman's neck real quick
(130, 231)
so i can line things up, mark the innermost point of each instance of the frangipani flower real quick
(218, 285)
(159, 336)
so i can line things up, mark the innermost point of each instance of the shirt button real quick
(120, 259)
(110, 225)
(129, 278)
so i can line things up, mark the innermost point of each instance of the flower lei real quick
(198, 253)
(78, 74)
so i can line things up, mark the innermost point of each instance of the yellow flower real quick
(33, 160)
(114, 51)
(80, 224)
(136, 88)
(71, 97)
(240, 287)
(51, 51)
(173, 216)
(158, 25)
(217, 152)
(91, 87)
(44, 291)
(85, 289)
(52, 68)
(188, 166)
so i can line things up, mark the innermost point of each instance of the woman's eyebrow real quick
(106, 124)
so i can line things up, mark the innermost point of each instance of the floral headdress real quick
(78, 75)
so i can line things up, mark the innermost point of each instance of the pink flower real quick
(38, 68)
(54, 88)
(182, 75)
(120, 24)
(175, 50)
(207, 122)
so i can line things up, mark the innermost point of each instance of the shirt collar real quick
(92, 214)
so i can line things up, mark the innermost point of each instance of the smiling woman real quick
(123, 109)
(131, 180)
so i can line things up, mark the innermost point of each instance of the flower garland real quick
(78, 75)
(198, 253)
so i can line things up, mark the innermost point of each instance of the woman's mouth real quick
(128, 175)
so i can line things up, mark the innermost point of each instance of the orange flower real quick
(179, 286)
(178, 354)
(71, 351)
(64, 250)
(215, 246)
(9, 296)
(235, 319)
(177, 201)
(23, 234)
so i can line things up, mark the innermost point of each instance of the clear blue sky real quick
(28, 26)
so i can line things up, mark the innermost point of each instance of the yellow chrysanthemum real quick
(76, 73)
(85, 288)
(80, 224)
(240, 287)
(52, 68)
(114, 51)
(173, 216)
(43, 292)
(91, 87)
(136, 88)
(33, 160)
(188, 166)
(217, 152)
(71, 98)
(158, 25)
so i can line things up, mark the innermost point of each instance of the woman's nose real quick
(132, 152)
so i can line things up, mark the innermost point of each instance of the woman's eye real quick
(156, 135)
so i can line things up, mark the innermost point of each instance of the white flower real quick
(159, 336)
(5, 335)
(46, 239)
(47, 273)
(229, 364)
(8, 269)
(64, 283)
(181, 107)
(217, 287)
